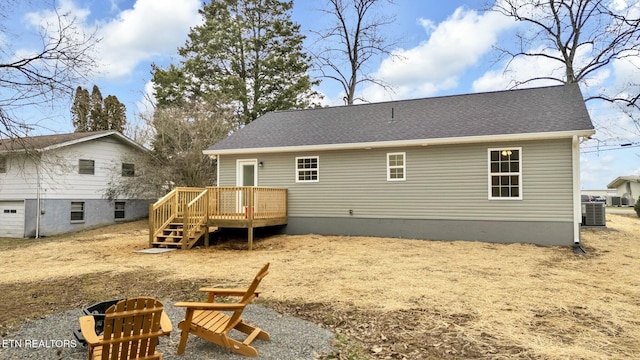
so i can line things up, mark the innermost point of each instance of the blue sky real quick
(445, 46)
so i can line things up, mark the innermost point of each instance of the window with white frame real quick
(307, 169)
(396, 166)
(77, 211)
(505, 173)
(3, 164)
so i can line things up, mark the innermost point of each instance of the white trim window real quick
(3, 164)
(396, 166)
(505, 174)
(307, 169)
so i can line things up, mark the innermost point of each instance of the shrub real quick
(636, 207)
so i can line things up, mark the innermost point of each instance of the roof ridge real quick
(422, 98)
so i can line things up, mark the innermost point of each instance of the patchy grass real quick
(384, 298)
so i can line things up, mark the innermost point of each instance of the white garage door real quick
(12, 219)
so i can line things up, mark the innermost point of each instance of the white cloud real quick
(151, 28)
(524, 68)
(436, 64)
(47, 23)
(147, 103)
(43, 18)
(595, 172)
(627, 76)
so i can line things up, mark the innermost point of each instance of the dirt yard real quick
(385, 298)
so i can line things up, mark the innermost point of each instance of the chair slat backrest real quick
(131, 329)
(248, 296)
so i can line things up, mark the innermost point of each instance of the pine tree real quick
(98, 121)
(115, 113)
(80, 110)
(248, 53)
(92, 113)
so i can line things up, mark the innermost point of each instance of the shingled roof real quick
(554, 109)
(48, 142)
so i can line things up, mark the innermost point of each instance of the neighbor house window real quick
(128, 169)
(86, 166)
(307, 169)
(119, 213)
(77, 211)
(396, 166)
(505, 173)
(3, 164)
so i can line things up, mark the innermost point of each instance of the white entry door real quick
(246, 175)
(247, 172)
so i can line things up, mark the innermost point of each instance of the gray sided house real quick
(55, 184)
(497, 166)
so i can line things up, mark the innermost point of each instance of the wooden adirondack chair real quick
(207, 320)
(131, 330)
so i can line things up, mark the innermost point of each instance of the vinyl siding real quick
(19, 182)
(59, 175)
(61, 179)
(448, 182)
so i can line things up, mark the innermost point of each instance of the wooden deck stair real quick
(183, 216)
(173, 234)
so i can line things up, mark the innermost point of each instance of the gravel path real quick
(52, 338)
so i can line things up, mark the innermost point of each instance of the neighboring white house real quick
(627, 188)
(55, 184)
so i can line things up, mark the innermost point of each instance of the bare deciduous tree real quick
(581, 36)
(351, 43)
(176, 158)
(44, 75)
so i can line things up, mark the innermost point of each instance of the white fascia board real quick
(404, 143)
(119, 136)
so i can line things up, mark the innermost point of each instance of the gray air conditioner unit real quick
(593, 214)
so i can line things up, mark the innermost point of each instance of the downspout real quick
(38, 197)
(218, 170)
(577, 206)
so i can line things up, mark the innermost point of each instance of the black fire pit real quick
(98, 311)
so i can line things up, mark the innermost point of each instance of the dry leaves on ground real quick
(393, 298)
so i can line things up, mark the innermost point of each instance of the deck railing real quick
(162, 213)
(195, 206)
(184, 196)
(247, 203)
(195, 216)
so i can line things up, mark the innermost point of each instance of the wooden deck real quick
(183, 216)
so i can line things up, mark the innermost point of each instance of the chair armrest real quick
(165, 324)
(88, 329)
(209, 306)
(226, 292)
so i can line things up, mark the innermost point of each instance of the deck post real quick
(245, 207)
(152, 225)
(206, 219)
(252, 197)
(185, 226)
